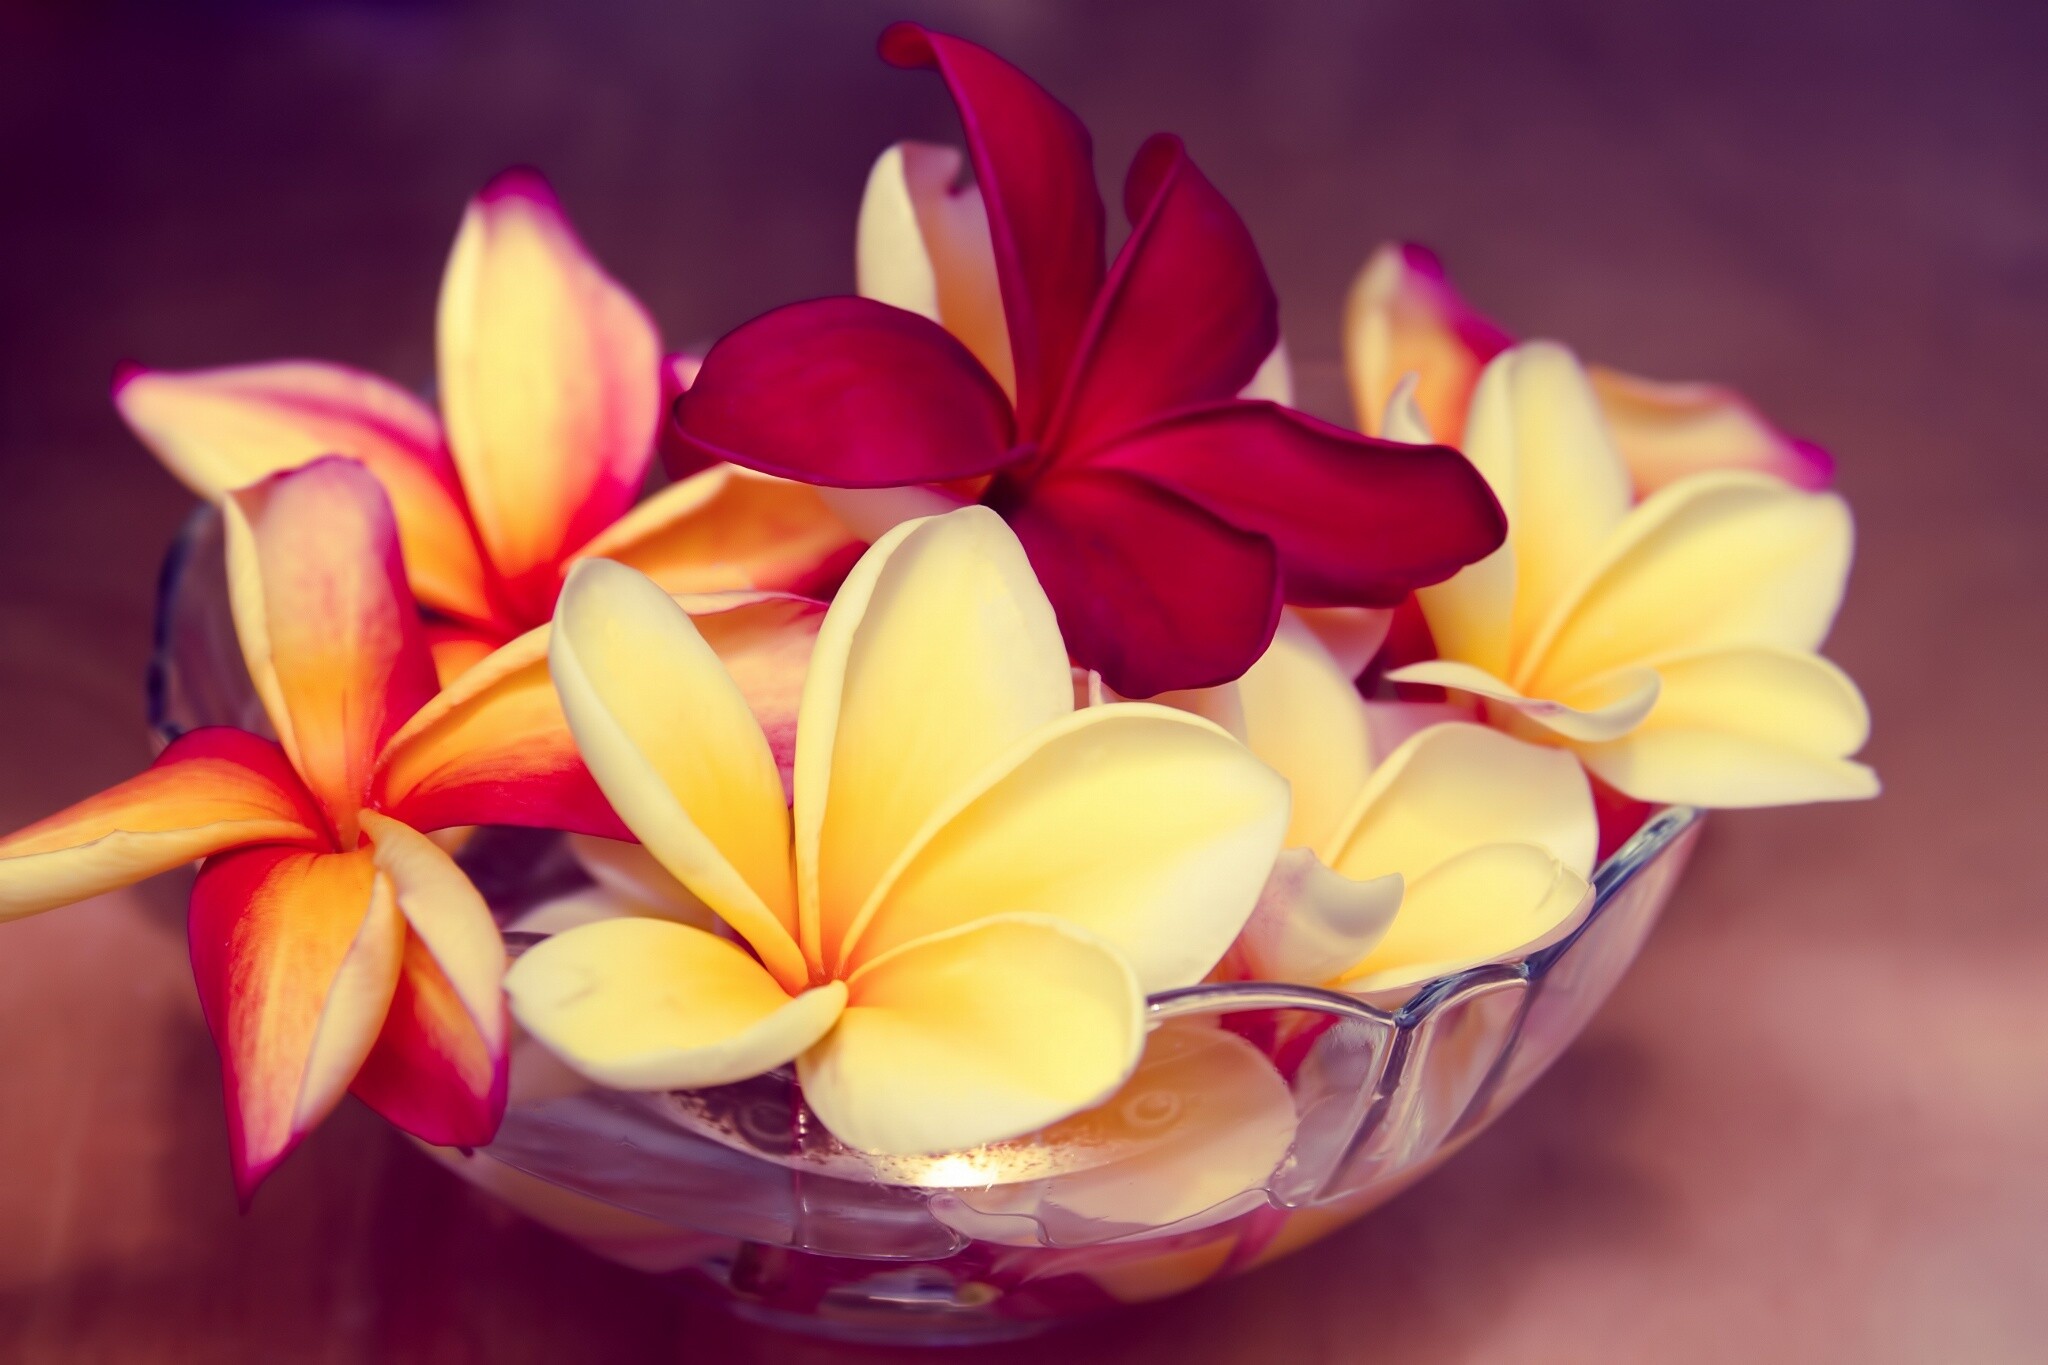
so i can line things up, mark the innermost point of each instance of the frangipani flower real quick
(551, 380)
(1167, 517)
(952, 928)
(1670, 644)
(1461, 846)
(336, 947)
(1404, 317)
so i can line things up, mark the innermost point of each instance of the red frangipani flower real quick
(1167, 517)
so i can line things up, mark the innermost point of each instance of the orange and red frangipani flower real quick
(551, 384)
(1404, 317)
(335, 946)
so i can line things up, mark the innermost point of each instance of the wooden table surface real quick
(1812, 1125)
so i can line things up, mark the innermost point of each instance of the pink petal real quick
(678, 372)
(1187, 315)
(1405, 317)
(1034, 163)
(1357, 521)
(849, 393)
(1153, 592)
(432, 1072)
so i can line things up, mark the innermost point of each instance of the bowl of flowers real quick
(1012, 818)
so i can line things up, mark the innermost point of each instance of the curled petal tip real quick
(126, 371)
(518, 182)
(905, 44)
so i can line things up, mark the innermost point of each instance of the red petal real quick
(1357, 521)
(849, 393)
(678, 372)
(431, 1072)
(1035, 165)
(294, 954)
(1151, 591)
(1188, 313)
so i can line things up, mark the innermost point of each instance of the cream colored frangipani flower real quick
(1670, 644)
(1460, 846)
(955, 920)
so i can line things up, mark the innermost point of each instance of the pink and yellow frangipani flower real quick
(336, 947)
(1404, 317)
(951, 927)
(551, 386)
(1460, 846)
(1670, 644)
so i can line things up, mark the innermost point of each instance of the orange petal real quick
(211, 790)
(223, 429)
(550, 385)
(296, 955)
(438, 1068)
(1667, 431)
(729, 529)
(1404, 317)
(457, 649)
(328, 626)
(494, 747)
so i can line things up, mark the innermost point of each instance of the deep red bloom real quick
(1167, 518)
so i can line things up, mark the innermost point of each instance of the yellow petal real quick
(327, 624)
(727, 529)
(939, 655)
(211, 790)
(1744, 727)
(1489, 904)
(1353, 635)
(923, 244)
(1145, 826)
(669, 738)
(1404, 421)
(1713, 561)
(1303, 716)
(223, 429)
(1667, 431)
(1452, 788)
(1538, 435)
(550, 385)
(646, 1004)
(1599, 709)
(448, 915)
(1402, 317)
(975, 1035)
(629, 876)
(1312, 924)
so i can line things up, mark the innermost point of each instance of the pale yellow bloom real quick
(955, 920)
(1669, 644)
(1459, 846)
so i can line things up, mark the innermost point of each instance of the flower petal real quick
(939, 655)
(1149, 828)
(1273, 381)
(1358, 522)
(1608, 707)
(1186, 316)
(438, 1069)
(493, 748)
(1312, 924)
(550, 384)
(1455, 787)
(850, 393)
(729, 529)
(628, 877)
(296, 955)
(670, 739)
(1034, 164)
(1152, 591)
(1303, 715)
(1538, 435)
(646, 1004)
(923, 244)
(328, 627)
(1744, 727)
(223, 429)
(457, 649)
(982, 1033)
(1714, 561)
(1352, 635)
(1667, 431)
(765, 641)
(1403, 317)
(210, 790)
(1489, 904)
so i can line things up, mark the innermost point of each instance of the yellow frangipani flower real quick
(954, 921)
(1670, 643)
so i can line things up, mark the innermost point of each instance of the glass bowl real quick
(1262, 1116)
